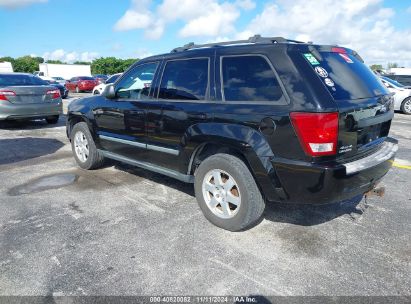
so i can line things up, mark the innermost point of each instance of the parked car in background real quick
(248, 122)
(402, 96)
(62, 88)
(59, 80)
(81, 84)
(101, 78)
(25, 96)
(100, 88)
(402, 79)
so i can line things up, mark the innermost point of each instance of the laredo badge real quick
(310, 57)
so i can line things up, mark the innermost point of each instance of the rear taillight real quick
(317, 132)
(5, 93)
(54, 94)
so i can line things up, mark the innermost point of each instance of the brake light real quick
(5, 93)
(54, 94)
(317, 132)
(339, 50)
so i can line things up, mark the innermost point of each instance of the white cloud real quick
(70, 57)
(363, 25)
(208, 18)
(142, 53)
(218, 20)
(18, 3)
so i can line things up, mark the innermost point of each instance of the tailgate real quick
(365, 106)
(364, 126)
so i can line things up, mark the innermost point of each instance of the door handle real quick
(201, 116)
(137, 112)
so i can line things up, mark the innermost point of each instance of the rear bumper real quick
(86, 87)
(320, 184)
(36, 110)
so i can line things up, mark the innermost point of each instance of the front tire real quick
(406, 106)
(84, 148)
(96, 92)
(227, 193)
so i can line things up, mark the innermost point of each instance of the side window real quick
(185, 79)
(249, 78)
(136, 83)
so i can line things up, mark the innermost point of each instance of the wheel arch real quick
(73, 119)
(243, 142)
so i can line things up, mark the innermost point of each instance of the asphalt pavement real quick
(126, 231)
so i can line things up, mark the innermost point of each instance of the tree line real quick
(103, 65)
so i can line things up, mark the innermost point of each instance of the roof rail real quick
(253, 39)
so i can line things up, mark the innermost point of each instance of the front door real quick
(121, 121)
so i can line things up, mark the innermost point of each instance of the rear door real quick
(184, 100)
(365, 105)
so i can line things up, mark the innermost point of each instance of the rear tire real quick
(52, 120)
(406, 106)
(96, 92)
(234, 202)
(84, 148)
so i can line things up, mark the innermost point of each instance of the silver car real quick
(25, 96)
(402, 96)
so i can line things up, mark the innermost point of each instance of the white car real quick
(60, 80)
(100, 88)
(402, 96)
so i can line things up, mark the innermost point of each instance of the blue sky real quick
(82, 30)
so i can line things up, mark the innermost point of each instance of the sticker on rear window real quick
(346, 58)
(310, 57)
(329, 82)
(321, 71)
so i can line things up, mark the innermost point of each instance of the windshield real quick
(20, 80)
(393, 82)
(346, 77)
(113, 78)
(86, 78)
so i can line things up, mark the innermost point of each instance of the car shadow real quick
(311, 215)
(296, 214)
(14, 150)
(31, 124)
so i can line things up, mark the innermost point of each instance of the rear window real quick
(346, 77)
(20, 80)
(250, 78)
(185, 79)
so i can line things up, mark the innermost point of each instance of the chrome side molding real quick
(145, 165)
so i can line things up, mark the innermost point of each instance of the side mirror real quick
(109, 92)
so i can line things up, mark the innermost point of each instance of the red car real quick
(81, 83)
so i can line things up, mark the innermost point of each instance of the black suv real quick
(263, 119)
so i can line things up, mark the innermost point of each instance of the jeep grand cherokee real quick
(248, 122)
